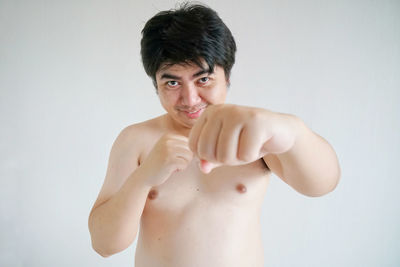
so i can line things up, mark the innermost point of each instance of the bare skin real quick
(206, 212)
(198, 219)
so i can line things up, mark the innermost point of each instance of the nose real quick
(190, 95)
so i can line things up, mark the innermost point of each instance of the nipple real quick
(152, 194)
(241, 188)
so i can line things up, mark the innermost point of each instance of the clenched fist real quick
(171, 153)
(233, 135)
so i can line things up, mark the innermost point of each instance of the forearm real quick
(114, 224)
(311, 166)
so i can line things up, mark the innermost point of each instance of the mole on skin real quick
(241, 188)
(152, 194)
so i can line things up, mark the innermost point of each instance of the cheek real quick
(168, 99)
(215, 95)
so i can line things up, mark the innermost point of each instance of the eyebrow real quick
(170, 76)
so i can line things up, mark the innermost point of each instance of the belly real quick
(205, 220)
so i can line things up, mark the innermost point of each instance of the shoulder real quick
(139, 131)
(125, 155)
(136, 136)
(154, 124)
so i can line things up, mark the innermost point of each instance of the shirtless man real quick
(194, 179)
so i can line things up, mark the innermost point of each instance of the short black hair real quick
(189, 34)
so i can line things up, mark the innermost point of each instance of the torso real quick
(196, 219)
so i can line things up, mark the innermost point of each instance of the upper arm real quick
(123, 160)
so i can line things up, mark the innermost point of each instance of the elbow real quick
(95, 245)
(333, 182)
(107, 251)
(99, 248)
(102, 253)
(329, 185)
(109, 244)
(319, 192)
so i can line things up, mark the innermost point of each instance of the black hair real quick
(189, 34)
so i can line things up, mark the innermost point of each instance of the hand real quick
(235, 135)
(170, 154)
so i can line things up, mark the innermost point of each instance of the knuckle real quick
(245, 155)
(202, 149)
(224, 157)
(202, 154)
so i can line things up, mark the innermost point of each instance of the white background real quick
(71, 78)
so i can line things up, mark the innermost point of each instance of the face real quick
(185, 90)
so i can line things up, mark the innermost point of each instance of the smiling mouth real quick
(194, 113)
(192, 110)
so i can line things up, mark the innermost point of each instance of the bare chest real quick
(194, 217)
(229, 185)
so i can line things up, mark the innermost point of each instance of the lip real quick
(194, 115)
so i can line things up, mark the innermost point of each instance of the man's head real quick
(192, 34)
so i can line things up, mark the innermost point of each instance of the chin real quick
(188, 124)
(183, 122)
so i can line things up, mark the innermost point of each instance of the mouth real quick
(193, 114)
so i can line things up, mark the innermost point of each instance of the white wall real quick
(71, 78)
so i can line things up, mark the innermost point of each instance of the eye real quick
(172, 83)
(204, 80)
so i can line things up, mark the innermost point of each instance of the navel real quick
(241, 188)
(152, 194)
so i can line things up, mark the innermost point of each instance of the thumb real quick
(206, 166)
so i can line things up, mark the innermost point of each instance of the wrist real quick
(298, 130)
(284, 131)
(143, 176)
(153, 176)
